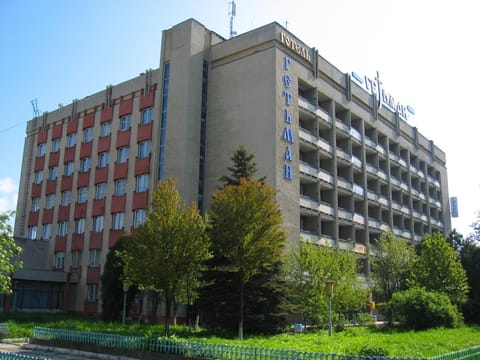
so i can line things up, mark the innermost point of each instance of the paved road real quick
(50, 352)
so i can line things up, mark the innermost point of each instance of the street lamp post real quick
(126, 286)
(329, 291)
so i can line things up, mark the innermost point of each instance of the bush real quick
(372, 350)
(419, 309)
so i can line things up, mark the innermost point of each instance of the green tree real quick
(9, 253)
(246, 232)
(310, 266)
(392, 264)
(167, 253)
(470, 258)
(243, 167)
(438, 268)
(112, 283)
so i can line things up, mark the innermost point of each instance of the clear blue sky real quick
(426, 52)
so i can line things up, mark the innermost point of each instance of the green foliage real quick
(419, 309)
(439, 269)
(167, 253)
(310, 266)
(470, 258)
(243, 167)
(391, 265)
(9, 252)
(246, 233)
(373, 350)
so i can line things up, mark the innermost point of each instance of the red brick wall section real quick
(146, 100)
(47, 216)
(142, 166)
(126, 107)
(57, 131)
(83, 179)
(96, 240)
(98, 207)
(144, 132)
(80, 210)
(69, 154)
(39, 163)
(104, 143)
(86, 149)
(120, 171)
(51, 187)
(118, 203)
(123, 138)
(72, 126)
(88, 120)
(106, 114)
(60, 243)
(54, 158)
(66, 183)
(42, 136)
(101, 175)
(63, 213)
(33, 218)
(77, 241)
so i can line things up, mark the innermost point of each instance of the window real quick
(98, 223)
(117, 221)
(84, 164)
(47, 232)
(100, 190)
(56, 145)
(41, 149)
(147, 115)
(38, 177)
(62, 228)
(35, 204)
(103, 159)
(80, 226)
(120, 187)
(139, 217)
(122, 154)
(66, 198)
(125, 122)
(142, 183)
(144, 149)
(105, 129)
(94, 257)
(59, 260)
(71, 140)
(92, 292)
(68, 168)
(52, 173)
(76, 259)
(32, 233)
(87, 135)
(50, 201)
(82, 195)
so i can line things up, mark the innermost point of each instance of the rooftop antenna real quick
(36, 112)
(232, 11)
(286, 24)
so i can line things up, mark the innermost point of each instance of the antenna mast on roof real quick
(36, 112)
(232, 11)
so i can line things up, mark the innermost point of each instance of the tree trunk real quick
(175, 309)
(240, 320)
(153, 306)
(168, 305)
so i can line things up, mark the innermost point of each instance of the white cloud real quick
(7, 186)
(8, 194)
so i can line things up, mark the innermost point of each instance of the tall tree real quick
(246, 232)
(310, 266)
(243, 167)
(167, 253)
(9, 252)
(392, 264)
(470, 258)
(438, 268)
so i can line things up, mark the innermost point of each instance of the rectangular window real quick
(103, 159)
(76, 259)
(50, 201)
(68, 168)
(125, 122)
(94, 257)
(98, 223)
(100, 191)
(120, 187)
(84, 164)
(59, 260)
(117, 221)
(144, 149)
(38, 177)
(142, 183)
(32, 233)
(41, 149)
(80, 226)
(56, 145)
(66, 198)
(71, 140)
(139, 217)
(47, 232)
(122, 154)
(105, 129)
(52, 173)
(82, 195)
(35, 204)
(62, 228)
(87, 135)
(92, 292)
(147, 116)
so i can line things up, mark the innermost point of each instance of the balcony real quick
(309, 237)
(383, 200)
(374, 223)
(359, 219)
(324, 145)
(344, 184)
(340, 125)
(343, 155)
(322, 114)
(382, 174)
(357, 162)
(373, 196)
(357, 189)
(345, 214)
(307, 136)
(326, 209)
(381, 150)
(356, 134)
(307, 105)
(370, 143)
(307, 169)
(309, 203)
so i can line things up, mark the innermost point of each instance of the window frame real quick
(66, 198)
(98, 223)
(59, 260)
(93, 257)
(92, 292)
(52, 173)
(55, 145)
(88, 135)
(82, 194)
(35, 204)
(144, 149)
(105, 129)
(85, 164)
(71, 140)
(141, 185)
(103, 159)
(119, 187)
(50, 202)
(41, 149)
(118, 221)
(122, 154)
(139, 220)
(146, 116)
(125, 122)
(62, 228)
(38, 177)
(76, 258)
(100, 191)
(47, 231)
(32, 232)
(80, 226)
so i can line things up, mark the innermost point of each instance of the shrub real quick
(417, 308)
(372, 350)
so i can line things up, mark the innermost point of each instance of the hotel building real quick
(336, 146)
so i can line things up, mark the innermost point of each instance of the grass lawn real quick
(350, 341)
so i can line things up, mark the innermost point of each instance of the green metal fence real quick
(216, 351)
(17, 356)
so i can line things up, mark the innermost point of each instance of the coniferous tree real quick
(243, 167)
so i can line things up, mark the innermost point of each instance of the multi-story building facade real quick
(346, 166)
